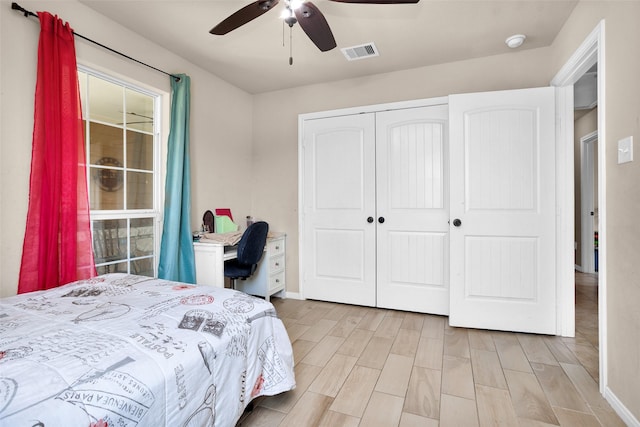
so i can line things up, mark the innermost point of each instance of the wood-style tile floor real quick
(360, 366)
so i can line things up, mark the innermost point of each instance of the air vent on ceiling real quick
(367, 50)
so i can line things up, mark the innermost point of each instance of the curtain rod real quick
(27, 13)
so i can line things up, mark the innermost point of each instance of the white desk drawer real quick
(275, 247)
(270, 276)
(276, 282)
(276, 264)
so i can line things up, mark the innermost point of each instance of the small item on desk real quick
(224, 211)
(208, 222)
(228, 239)
(224, 224)
(250, 220)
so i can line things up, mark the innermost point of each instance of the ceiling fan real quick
(311, 20)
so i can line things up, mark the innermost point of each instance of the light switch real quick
(625, 150)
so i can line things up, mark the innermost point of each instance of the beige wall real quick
(584, 125)
(220, 117)
(622, 118)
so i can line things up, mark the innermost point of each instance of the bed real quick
(123, 350)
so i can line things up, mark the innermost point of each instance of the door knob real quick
(370, 219)
(457, 222)
(381, 219)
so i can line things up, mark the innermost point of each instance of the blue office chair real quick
(250, 250)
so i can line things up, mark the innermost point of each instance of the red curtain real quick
(57, 245)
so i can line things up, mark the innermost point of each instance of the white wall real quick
(220, 117)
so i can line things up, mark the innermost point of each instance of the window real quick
(122, 148)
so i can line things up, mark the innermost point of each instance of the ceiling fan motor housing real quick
(290, 20)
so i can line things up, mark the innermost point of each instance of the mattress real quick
(123, 350)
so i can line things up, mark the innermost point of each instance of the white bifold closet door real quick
(375, 203)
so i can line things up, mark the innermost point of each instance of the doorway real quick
(590, 53)
(587, 200)
(586, 215)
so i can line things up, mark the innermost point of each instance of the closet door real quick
(412, 209)
(503, 245)
(338, 192)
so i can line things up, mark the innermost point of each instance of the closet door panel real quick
(411, 194)
(503, 250)
(338, 256)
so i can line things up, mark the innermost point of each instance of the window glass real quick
(142, 240)
(120, 267)
(139, 190)
(122, 147)
(106, 167)
(106, 101)
(139, 151)
(109, 240)
(139, 111)
(105, 141)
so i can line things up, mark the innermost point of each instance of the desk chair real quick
(250, 250)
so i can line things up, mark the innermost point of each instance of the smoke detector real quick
(515, 40)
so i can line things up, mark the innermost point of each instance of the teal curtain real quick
(176, 250)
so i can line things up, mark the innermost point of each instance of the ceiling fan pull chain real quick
(290, 45)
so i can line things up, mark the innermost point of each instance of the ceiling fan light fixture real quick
(286, 12)
(295, 4)
(515, 41)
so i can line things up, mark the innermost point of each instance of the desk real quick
(267, 279)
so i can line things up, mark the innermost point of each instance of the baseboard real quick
(622, 411)
(578, 268)
(294, 295)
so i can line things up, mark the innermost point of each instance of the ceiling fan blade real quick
(244, 15)
(378, 1)
(315, 26)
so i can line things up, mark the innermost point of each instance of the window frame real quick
(128, 214)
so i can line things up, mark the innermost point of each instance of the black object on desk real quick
(208, 222)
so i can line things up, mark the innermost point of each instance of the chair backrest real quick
(109, 244)
(251, 245)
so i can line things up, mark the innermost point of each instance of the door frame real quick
(590, 52)
(587, 208)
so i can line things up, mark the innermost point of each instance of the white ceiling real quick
(253, 57)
